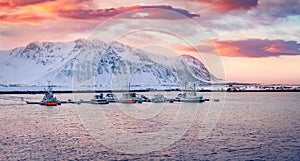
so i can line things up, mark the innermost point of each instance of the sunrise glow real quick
(257, 41)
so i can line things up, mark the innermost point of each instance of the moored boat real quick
(158, 98)
(190, 97)
(32, 102)
(131, 98)
(51, 103)
(145, 99)
(111, 97)
(49, 99)
(99, 99)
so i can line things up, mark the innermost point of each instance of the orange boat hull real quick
(129, 101)
(51, 103)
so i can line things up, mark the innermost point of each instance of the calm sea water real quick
(250, 126)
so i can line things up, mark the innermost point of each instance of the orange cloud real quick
(34, 11)
(17, 18)
(20, 3)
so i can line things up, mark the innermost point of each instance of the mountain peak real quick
(80, 40)
(189, 57)
(39, 62)
(33, 46)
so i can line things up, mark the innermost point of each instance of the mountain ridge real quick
(98, 64)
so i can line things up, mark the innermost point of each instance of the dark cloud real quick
(270, 10)
(150, 12)
(259, 13)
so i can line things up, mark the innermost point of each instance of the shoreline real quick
(123, 91)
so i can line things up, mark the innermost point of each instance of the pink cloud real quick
(229, 5)
(250, 48)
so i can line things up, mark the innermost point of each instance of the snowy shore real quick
(211, 88)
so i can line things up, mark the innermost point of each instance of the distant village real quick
(269, 88)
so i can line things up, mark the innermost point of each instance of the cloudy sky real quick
(250, 40)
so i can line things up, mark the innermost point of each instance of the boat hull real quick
(192, 101)
(51, 103)
(128, 101)
(30, 102)
(99, 102)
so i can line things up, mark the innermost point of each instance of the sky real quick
(255, 41)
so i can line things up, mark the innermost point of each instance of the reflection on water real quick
(251, 126)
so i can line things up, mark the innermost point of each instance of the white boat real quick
(111, 97)
(190, 97)
(186, 97)
(145, 99)
(158, 98)
(99, 99)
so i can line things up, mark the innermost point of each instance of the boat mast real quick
(194, 88)
(128, 87)
(49, 87)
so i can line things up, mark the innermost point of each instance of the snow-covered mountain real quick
(95, 64)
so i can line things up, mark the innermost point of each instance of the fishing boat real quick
(48, 99)
(158, 98)
(145, 99)
(51, 103)
(186, 97)
(130, 98)
(99, 99)
(190, 97)
(111, 97)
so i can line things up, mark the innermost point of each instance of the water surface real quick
(263, 126)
